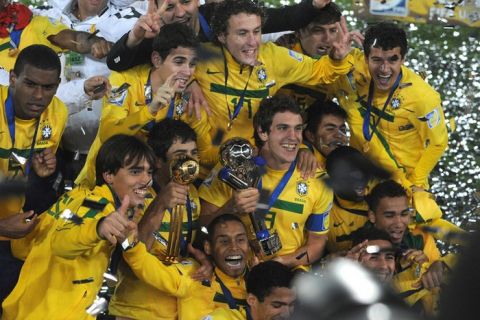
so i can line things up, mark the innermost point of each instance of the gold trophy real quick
(183, 170)
(240, 171)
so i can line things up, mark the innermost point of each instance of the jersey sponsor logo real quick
(336, 225)
(406, 127)
(302, 188)
(295, 55)
(433, 118)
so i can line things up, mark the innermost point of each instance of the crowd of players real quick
(99, 98)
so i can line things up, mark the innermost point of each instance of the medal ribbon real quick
(232, 303)
(281, 185)
(366, 119)
(239, 105)
(10, 110)
(207, 31)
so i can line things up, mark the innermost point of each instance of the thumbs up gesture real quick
(116, 227)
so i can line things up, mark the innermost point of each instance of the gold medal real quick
(366, 146)
(12, 52)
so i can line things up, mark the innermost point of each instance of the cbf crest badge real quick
(302, 188)
(262, 74)
(46, 131)
(395, 103)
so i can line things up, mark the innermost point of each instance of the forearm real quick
(430, 157)
(288, 18)
(326, 70)
(73, 95)
(150, 222)
(70, 240)
(306, 255)
(121, 57)
(111, 125)
(77, 41)
(150, 270)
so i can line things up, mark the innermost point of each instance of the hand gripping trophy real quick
(183, 170)
(241, 170)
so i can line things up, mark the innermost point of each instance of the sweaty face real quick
(393, 216)
(243, 37)
(229, 248)
(181, 62)
(283, 141)
(316, 39)
(382, 261)
(384, 66)
(331, 133)
(182, 11)
(278, 305)
(132, 180)
(33, 90)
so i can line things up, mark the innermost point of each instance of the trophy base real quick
(270, 245)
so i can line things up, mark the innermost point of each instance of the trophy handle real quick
(175, 234)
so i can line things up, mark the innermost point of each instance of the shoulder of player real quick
(415, 85)
(58, 108)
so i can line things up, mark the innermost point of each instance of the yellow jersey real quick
(36, 32)
(302, 206)
(195, 299)
(304, 95)
(226, 314)
(50, 129)
(136, 299)
(414, 118)
(345, 217)
(224, 82)
(126, 112)
(67, 266)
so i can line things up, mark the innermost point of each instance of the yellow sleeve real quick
(172, 279)
(297, 68)
(430, 124)
(430, 248)
(71, 239)
(117, 117)
(319, 220)
(207, 151)
(213, 190)
(46, 28)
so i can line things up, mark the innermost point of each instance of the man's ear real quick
(156, 59)
(371, 216)
(251, 300)
(221, 38)
(12, 78)
(262, 134)
(207, 248)
(108, 177)
(309, 136)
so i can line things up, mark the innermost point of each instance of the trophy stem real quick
(175, 234)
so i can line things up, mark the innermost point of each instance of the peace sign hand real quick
(148, 25)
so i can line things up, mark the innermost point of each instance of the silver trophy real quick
(240, 171)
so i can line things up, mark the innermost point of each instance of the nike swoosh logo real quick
(138, 104)
(212, 72)
(335, 225)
